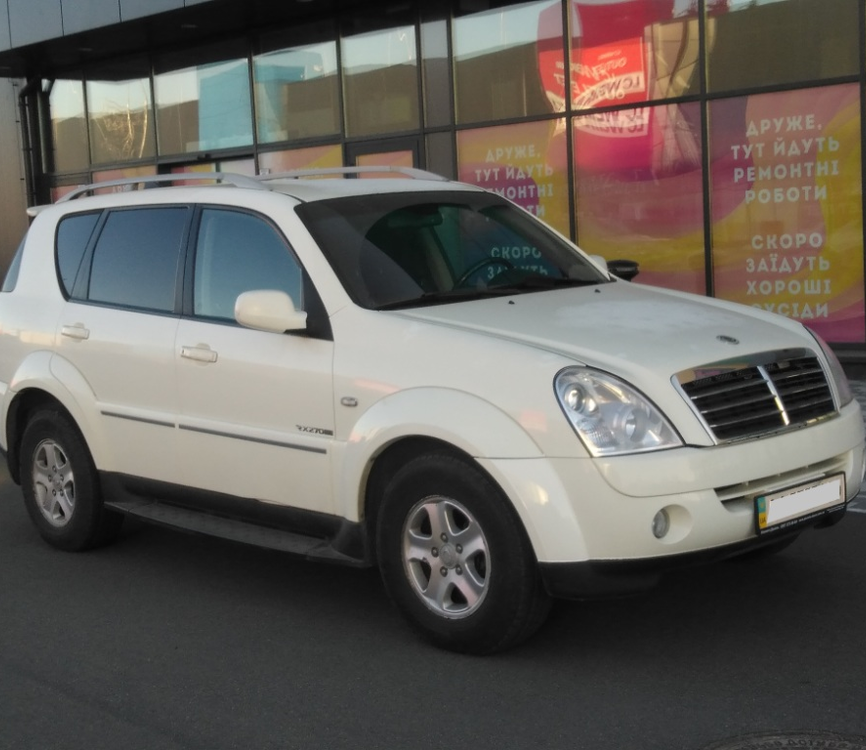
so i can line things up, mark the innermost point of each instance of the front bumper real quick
(605, 579)
(595, 516)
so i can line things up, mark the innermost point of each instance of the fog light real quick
(661, 524)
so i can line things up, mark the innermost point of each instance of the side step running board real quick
(231, 529)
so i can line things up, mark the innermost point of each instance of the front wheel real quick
(455, 559)
(61, 486)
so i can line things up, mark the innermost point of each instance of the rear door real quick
(121, 270)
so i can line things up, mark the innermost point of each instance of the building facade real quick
(719, 143)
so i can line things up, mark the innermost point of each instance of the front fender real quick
(500, 444)
(470, 424)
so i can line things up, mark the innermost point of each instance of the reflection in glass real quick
(509, 62)
(787, 206)
(120, 115)
(632, 51)
(204, 107)
(640, 195)
(770, 42)
(525, 162)
(68, 125)
(297, 94)
(315, 157)
(380, 79)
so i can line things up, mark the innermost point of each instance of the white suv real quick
(410, 373)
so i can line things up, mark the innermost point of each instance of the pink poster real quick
(787, 206)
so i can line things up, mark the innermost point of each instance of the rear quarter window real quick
(73, 235)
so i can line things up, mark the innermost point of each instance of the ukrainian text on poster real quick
(786, 206)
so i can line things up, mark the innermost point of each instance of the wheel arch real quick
(389, 460)
(27, 403)
(36, 386)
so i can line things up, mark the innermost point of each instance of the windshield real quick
(408, 249)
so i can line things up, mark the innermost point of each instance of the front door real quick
(256, 408)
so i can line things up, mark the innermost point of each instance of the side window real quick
(73, 234)
(135, 262)
(238, 252)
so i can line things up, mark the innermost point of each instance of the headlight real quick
(609, 416)
(843, 388)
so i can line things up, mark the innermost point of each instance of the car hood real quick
(626, 328)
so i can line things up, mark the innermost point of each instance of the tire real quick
(455, 559)
(61, 486)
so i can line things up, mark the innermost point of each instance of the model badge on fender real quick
(314, 430)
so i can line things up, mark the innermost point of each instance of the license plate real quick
(800, 504)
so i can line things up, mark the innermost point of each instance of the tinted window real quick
(394, 248)
(135, 262)
(238, 252)
(73, 234)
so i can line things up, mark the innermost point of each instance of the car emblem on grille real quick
(727, 339)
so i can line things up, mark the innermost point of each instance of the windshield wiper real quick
(540, 281)
(449, 295)
(535, 282)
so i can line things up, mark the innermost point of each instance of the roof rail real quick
(238, 180)
(417, 174)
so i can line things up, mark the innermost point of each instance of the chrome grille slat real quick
(752, 400)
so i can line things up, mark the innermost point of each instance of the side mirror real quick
(269, 310)
(624, 269)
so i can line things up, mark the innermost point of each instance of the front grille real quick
(752, 400)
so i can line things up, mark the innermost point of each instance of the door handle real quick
(200, 353)
(75, 331)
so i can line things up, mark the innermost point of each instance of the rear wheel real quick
(61, 486)
(455, 559)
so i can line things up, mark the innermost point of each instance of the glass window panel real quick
(380, 79)
(315, 157)
(120, 174)
(769, 42)
(297, 93)
(235, 253)
(509, 62)
(525, 162)
(639, 191)
(631, 51)
(73, 234)
(120, 116)
(68, 125)
(401, 158)
(787, 206)
(203, 106)
(136, 259)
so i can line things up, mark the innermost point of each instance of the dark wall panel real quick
(34, 21)
(81, 15)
